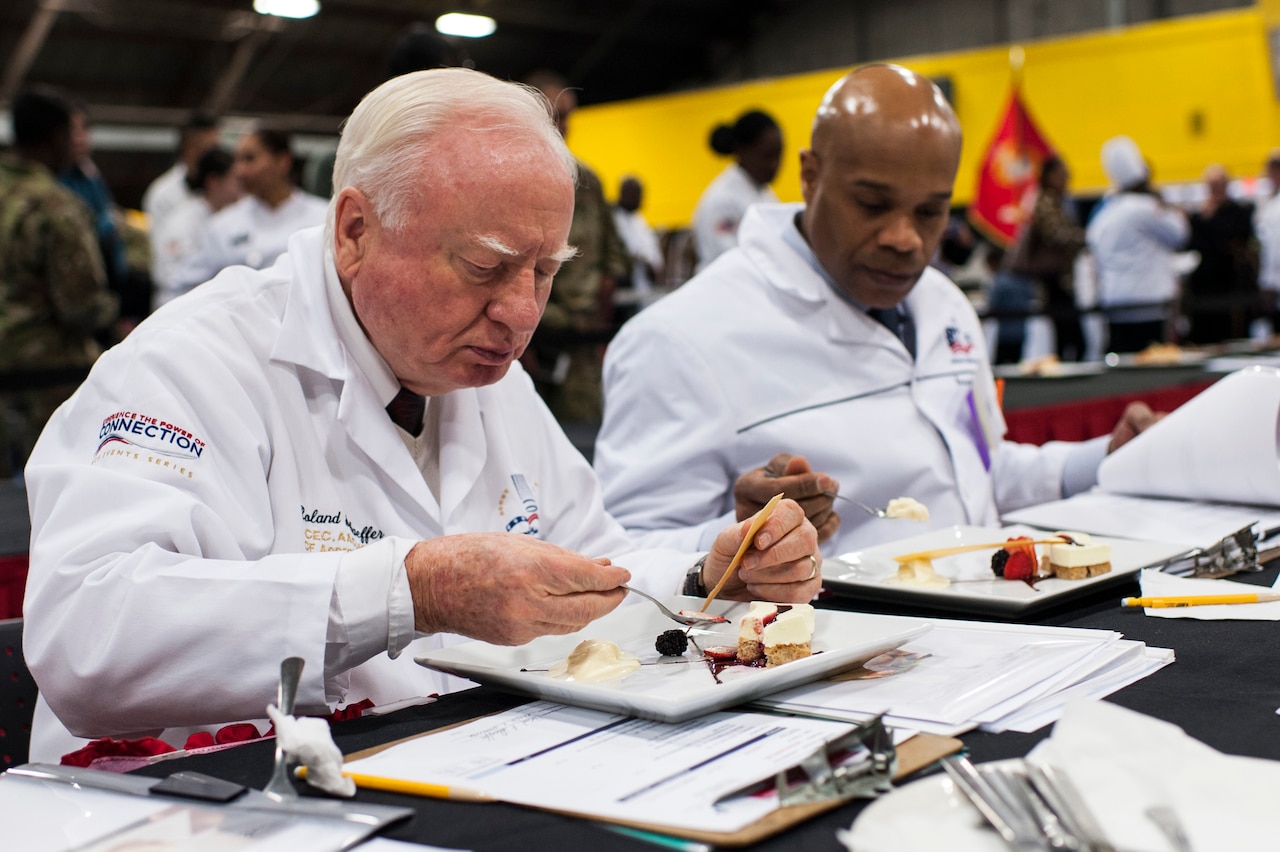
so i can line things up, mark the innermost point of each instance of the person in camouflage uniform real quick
(568, 369)
(53, 283)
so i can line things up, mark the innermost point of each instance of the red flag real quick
(1009, 169)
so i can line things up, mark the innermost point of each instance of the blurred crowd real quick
(1140, 266)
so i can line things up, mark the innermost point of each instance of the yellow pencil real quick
(1202, 600)
(412, 788)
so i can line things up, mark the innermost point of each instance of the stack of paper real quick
(1208, 469)
(973, 674)
(687, 775)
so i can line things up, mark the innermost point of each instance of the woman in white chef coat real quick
(177, 236)
(755, 143)
(255, 230)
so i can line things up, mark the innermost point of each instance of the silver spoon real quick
(879, 513)
(279, 786)
(687, 620)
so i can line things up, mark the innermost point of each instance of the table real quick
(1076, 408)
(1224, 690)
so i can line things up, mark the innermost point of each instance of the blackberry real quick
(998, 560)
(671, 643)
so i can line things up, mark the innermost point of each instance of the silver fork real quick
(1167, 819)
(1010, 821)
(687, 620)
(279, 786)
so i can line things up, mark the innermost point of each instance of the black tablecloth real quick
(1224, 690)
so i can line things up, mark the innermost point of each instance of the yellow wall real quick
(1190, 91)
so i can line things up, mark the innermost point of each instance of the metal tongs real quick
(859, 764)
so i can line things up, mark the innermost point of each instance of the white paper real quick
(1193, 524)
(1219, 446)
(600, 764)
(1048, 709)
(971, 668)
(63, 816)
(1156, 584)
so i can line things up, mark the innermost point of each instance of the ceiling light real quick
(467, 26)
(287, 8)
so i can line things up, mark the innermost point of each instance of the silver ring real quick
(814, 572)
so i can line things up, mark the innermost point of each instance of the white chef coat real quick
(166, 192)
(720, 209)
(248, 232)
(175, 238)
(1267, 225)
(758, 355)
(1133, 238)
(642, 245)
(226, 490)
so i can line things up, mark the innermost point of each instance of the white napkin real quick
(310, 742)
(1219, 446)
(1123, 762)
(1158, 584)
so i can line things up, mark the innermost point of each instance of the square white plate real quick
(673, 689)
(974, 588)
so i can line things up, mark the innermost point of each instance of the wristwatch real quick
(693, 580)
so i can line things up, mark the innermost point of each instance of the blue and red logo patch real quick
(959, 342)
(150, 433)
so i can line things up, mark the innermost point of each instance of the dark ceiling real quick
(153, 61)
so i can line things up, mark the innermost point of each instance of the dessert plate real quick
(974, 588)
(673, 689)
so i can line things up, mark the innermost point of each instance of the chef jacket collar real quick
(352, 337)
(793, 237)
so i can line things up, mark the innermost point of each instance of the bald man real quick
(823, 355)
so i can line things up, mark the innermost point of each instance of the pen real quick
(412, 788)
(1202, 600)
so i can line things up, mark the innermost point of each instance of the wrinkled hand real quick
(507, 589)
(796, 480)
(1137, 418)
(782, 564)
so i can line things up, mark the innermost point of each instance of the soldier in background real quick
(567, 369)
(53, 284)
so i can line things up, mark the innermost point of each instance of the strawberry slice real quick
(1021, 565)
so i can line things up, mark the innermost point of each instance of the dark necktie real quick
(899, 324)
(406, 411)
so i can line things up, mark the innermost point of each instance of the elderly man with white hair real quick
(338, 458)
(1133, 239)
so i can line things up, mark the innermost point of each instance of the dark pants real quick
(1060, 305)
(1134, 336)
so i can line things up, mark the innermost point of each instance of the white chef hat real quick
(1123, 163)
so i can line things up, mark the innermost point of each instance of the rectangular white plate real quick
(974, 588)
(673, 689)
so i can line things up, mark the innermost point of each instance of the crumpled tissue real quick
(309, 741)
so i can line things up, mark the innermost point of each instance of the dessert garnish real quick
(756, 523)
(671, 643)
(1016, 560)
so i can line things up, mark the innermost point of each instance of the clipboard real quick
(913, 755)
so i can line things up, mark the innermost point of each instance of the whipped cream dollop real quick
(907, 508)
(918, 572)
(595, 660)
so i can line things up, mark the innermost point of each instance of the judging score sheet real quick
(599, 764)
